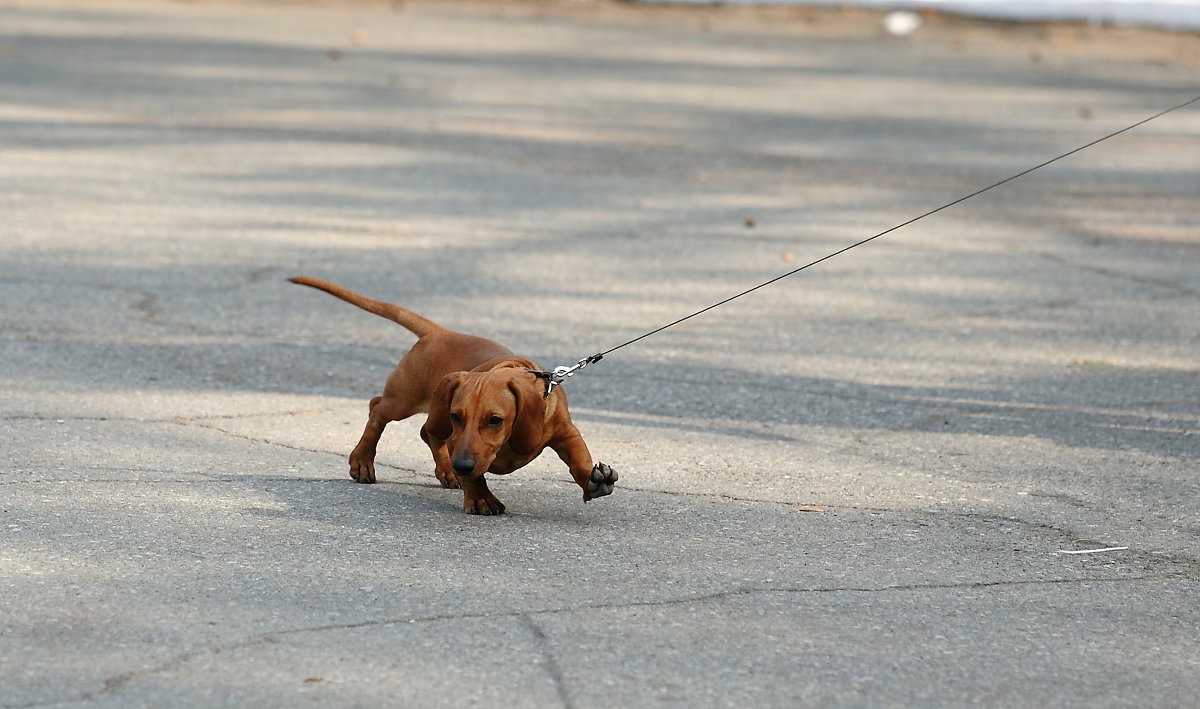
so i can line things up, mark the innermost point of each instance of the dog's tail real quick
(418, 325)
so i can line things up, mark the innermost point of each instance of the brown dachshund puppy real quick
(488, 413)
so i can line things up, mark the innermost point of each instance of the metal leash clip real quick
(561, 373)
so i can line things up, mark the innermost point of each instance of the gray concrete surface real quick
(845, 490)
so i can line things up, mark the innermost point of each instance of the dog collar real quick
(548, 376)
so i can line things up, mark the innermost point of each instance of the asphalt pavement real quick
(856, 487)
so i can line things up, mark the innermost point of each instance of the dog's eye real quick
(456, 418)
(495, 421)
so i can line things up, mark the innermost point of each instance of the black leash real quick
(560, 374)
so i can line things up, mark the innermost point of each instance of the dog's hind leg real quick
(382, 412)
(404, 395)
(362, 459)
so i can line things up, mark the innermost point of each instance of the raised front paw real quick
(601, 482)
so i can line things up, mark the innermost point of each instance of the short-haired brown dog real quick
(488, 412)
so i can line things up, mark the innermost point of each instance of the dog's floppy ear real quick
(531, 413)
(438, 423)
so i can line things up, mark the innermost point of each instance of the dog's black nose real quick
(464, 466)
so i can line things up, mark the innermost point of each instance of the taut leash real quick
(560, 374)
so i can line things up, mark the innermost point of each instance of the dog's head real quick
(478, 413)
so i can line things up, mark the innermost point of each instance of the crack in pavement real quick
(1178, 289)
(168, 419)
(194, 423)
(551, 663)
(171, 481)
(528, 618)
(262, 414)
(115, 683)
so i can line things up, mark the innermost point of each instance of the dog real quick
(488, 409)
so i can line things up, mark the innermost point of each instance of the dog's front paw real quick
(478, 499)
(601, 482)
(448, 479)
(487, 505)
(362, 470)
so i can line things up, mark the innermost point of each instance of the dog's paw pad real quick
(601, 481)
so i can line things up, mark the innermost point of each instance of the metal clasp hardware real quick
(561, 373)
